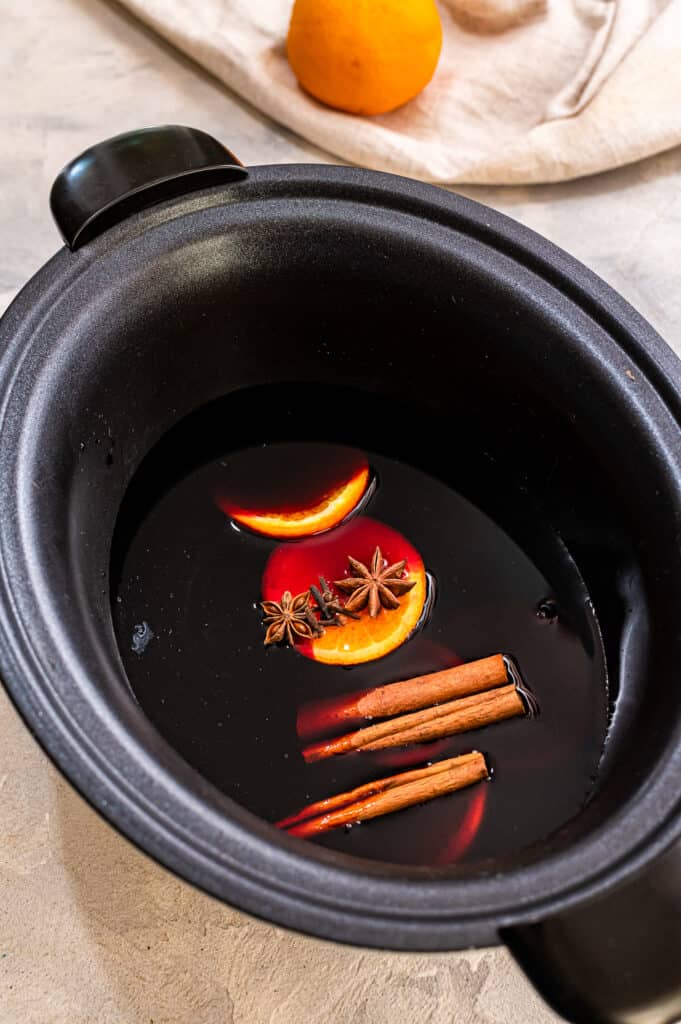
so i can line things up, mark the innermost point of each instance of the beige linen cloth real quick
(580, 87)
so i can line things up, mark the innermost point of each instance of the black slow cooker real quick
(180, 272)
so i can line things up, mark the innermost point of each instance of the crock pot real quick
(186, 277)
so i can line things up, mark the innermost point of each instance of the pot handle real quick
(616, 960)
(129, 172)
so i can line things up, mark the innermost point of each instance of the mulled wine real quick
(402, 565)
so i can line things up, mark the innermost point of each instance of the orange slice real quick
(333, 508)
(297, 567)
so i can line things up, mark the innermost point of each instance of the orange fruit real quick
(293, 489)
(296, 567)
(292, 523)
(364, 56)
(366, 639)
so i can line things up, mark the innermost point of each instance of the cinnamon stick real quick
(434, 781)
(446, 719)
(503, 703)
(332, 803)
(409, 694)
(422, 691)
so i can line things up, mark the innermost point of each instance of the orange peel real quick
(296, 567)
(331, 510)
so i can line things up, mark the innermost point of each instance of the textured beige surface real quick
(90, 930)
(584, 86)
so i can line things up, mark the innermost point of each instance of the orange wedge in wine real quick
(332, 509)
(297, 567)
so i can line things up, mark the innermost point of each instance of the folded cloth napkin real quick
(578, 86)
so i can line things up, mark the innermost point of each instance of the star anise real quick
(375, 586)
(287, 619)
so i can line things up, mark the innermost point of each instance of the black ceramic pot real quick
(186, 277)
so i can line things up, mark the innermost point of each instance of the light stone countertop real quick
(90, 929)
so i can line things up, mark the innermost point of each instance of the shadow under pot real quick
(422, 437)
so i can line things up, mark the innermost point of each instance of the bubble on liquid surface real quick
(141, 635)
(547, 610)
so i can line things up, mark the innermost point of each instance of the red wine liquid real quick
(186, 589)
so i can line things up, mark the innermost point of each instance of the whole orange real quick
(364, 56)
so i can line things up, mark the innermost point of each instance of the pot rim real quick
(162, 804)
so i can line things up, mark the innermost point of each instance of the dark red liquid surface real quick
(186, 589)
(285, 485)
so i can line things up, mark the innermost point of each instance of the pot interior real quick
(318, 323)
(186, 578)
